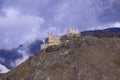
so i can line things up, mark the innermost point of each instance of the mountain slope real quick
(85, 58)
(103, 32)
(13, 57)
(3, 69)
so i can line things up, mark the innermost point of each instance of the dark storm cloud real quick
(1, 3)
(55, 15)
(58, 13)
(79, 11)
(23, 21)
(110, 11)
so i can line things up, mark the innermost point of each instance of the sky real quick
(24, 21)
(3, 69)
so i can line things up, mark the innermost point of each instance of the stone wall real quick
(73, 32)
(55, 40)
(44, 46)
(52, 40)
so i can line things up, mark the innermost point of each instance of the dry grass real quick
(96, 59)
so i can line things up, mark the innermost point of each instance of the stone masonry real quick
(55, 39)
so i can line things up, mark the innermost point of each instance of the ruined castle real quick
(52, 40)
(73, 32)
(55, 39)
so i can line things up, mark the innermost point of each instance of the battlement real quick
(52, 40)
(55, 39)
(73, 32)
(44, 46)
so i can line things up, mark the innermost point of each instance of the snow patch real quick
(3, 69)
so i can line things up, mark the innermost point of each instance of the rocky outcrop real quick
(85, 58)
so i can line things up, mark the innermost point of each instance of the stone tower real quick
(50, 36)
(53, 39)
(73, 32)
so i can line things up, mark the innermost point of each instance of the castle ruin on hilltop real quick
(73, 32)
(55, 39)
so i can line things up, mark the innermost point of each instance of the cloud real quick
(25, 55)
(60, 14)
(108, 11)
(15, 27)
(3, 69)
(2, 59)
(1, 5)
(24, 20)
(117, 24)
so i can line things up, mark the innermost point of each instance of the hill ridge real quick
(84, 58)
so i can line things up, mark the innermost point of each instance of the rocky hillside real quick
(84, 58)
(108, 32)
(10, 58)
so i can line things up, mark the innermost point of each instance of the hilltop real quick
(11, 56)
(80, 58)
(108, 32)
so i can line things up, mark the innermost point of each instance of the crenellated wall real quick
(52, 40)
(55, 40)
(73, 32)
